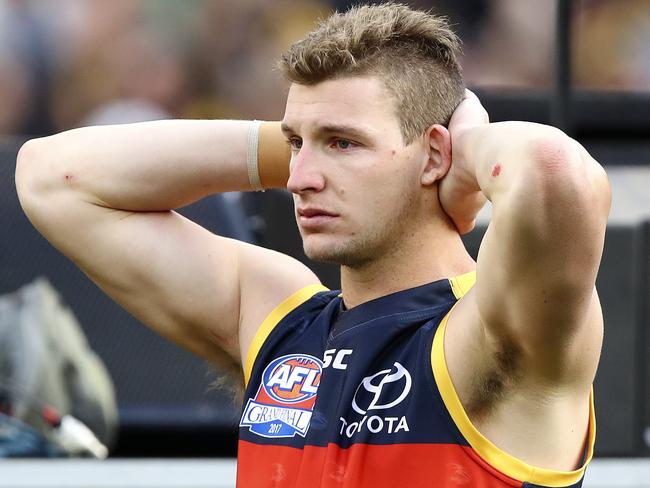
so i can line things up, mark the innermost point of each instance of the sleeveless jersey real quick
(362, 398)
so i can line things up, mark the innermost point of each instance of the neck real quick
(434, 252)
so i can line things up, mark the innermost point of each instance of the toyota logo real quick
(369, 392)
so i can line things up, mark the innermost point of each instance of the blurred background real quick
(72, 63)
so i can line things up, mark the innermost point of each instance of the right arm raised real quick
(103, 196)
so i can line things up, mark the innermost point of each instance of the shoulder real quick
(292, 315)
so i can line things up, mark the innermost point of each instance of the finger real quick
(470, 94)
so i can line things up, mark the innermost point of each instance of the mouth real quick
(314, 218)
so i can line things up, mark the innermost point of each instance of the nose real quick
(305, 174)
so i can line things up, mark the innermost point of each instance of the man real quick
(427, 369)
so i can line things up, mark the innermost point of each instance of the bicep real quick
(176, 277)
(168, 272)
(536, 273)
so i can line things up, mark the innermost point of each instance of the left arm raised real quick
(538, 261)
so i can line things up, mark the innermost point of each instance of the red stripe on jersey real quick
(366, 466)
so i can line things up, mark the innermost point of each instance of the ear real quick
(439, 148)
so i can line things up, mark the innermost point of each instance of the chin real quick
(319, 248)
(324, 250)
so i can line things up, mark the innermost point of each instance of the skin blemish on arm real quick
(496, 171)
(69, 178)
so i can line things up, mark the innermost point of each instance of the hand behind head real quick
(460, 195)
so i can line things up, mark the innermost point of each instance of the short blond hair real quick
(414, 54)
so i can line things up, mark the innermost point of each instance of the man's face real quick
(353, 179)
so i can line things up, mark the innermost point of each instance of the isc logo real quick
(292, 378)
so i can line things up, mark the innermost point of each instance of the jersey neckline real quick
(409, 301)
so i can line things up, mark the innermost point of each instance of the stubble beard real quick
(355, 252)
(367, 246)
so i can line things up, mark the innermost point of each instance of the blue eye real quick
(343, 144)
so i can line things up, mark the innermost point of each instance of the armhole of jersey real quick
(272, 319)
(495, 457)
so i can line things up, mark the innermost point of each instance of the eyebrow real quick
(332, 129)
(286, 129)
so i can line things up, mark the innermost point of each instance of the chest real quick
(370, 384)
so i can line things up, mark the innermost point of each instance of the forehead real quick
(356, 101)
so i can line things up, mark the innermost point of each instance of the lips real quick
(314, 218)
(313, 212)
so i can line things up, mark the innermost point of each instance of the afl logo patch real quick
(283, 404)
(293, 378)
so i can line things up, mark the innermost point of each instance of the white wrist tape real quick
(252, 156)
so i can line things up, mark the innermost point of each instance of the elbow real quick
(556, 159)
(26, 176)
(35, 174)
(568, 176)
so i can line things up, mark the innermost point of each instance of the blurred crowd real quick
(70, 63)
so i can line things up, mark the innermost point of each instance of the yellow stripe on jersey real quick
(462, 283)
(498, 459)
(272, 319)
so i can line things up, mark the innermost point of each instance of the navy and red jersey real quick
(362, 398)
